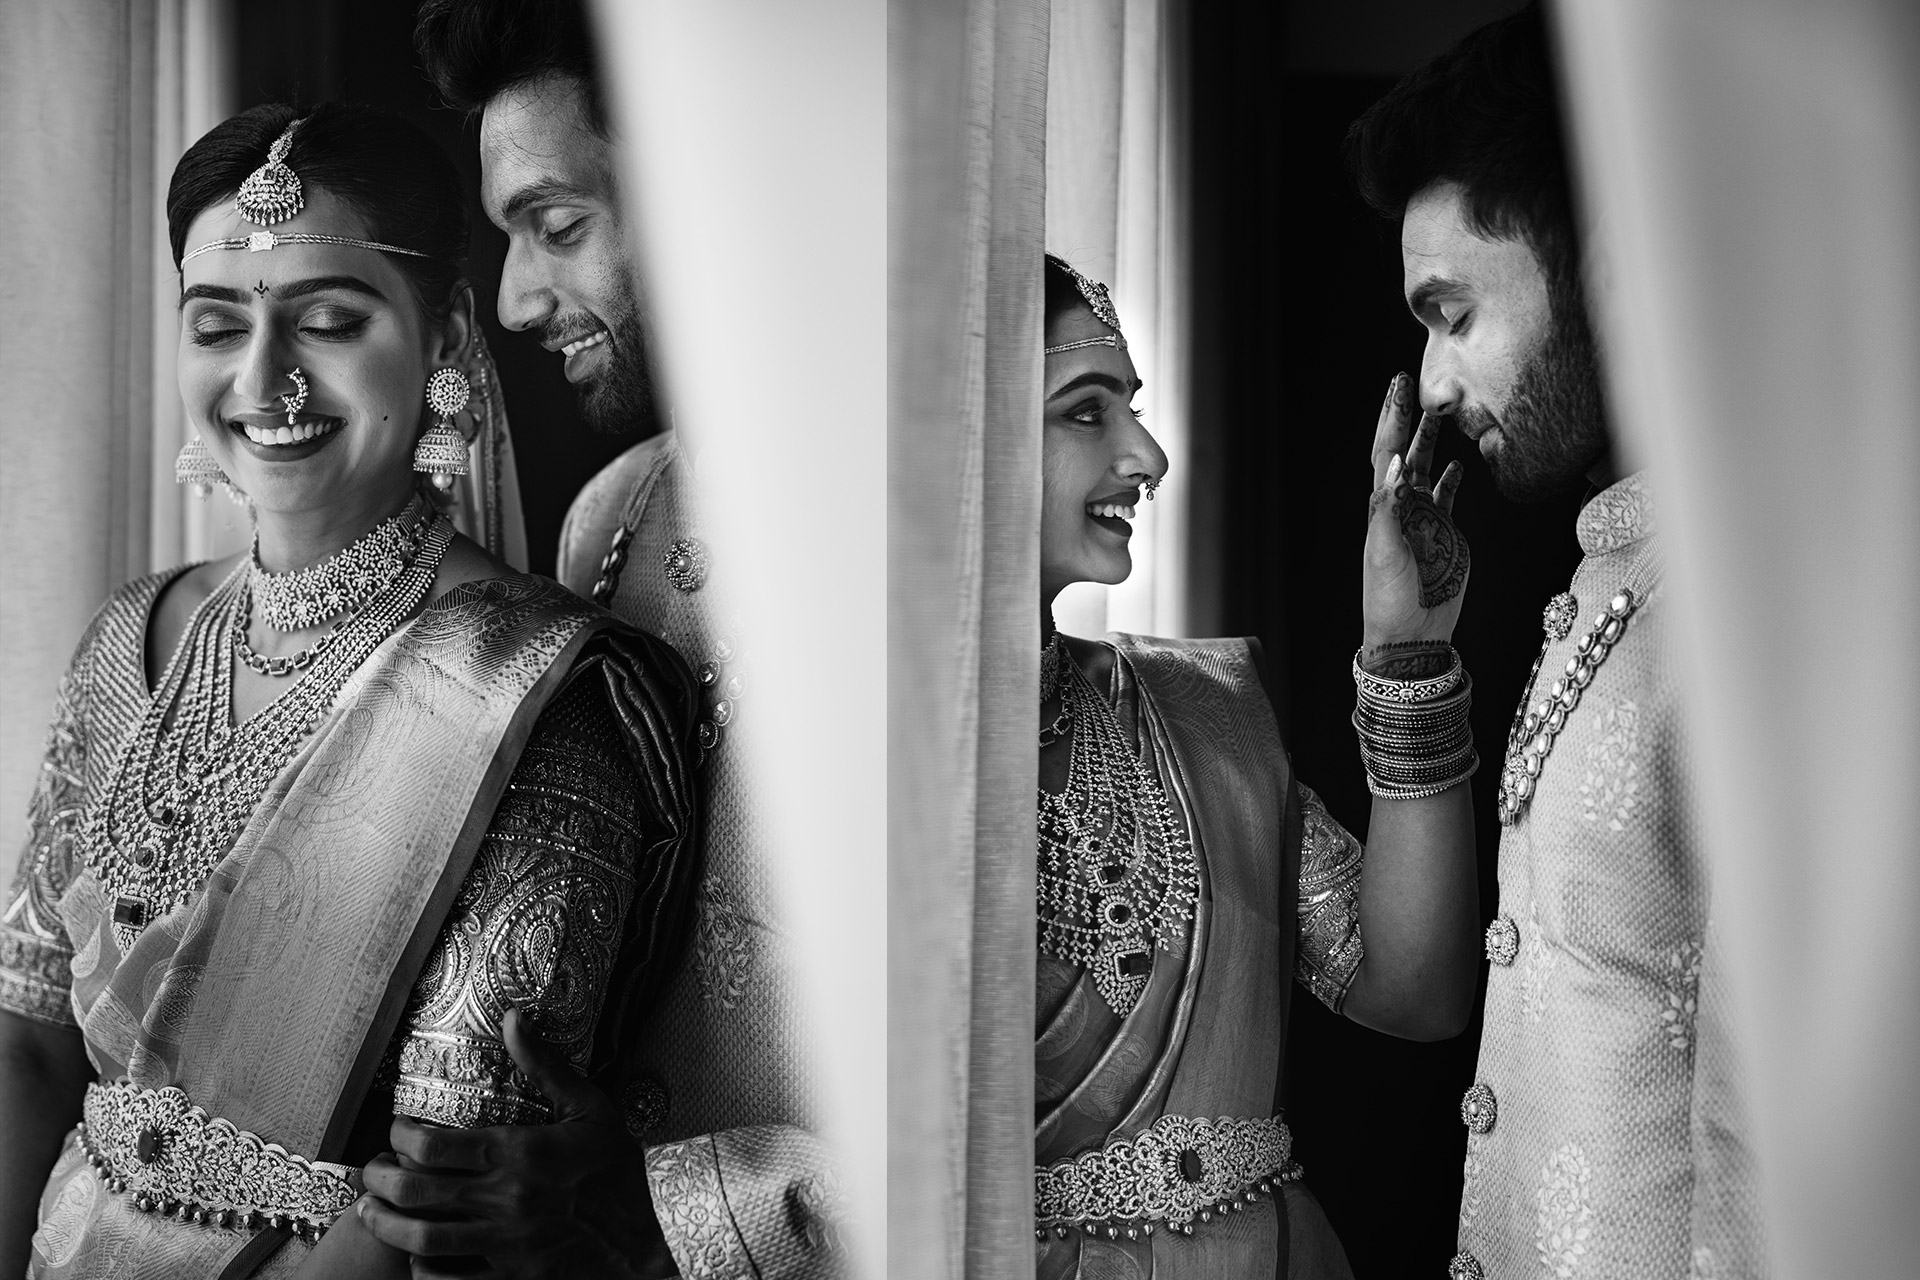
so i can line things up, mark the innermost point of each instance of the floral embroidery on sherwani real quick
(1683, 994)
(1566, 1211)
(1540, 963)
(1611, 786)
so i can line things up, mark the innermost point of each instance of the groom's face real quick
(1508, 359)
(546, 179)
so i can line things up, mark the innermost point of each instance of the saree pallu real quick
(273, 997)
(1206, 1038)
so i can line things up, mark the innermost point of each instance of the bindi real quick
(260, 289)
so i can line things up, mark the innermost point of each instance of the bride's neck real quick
(294, 540)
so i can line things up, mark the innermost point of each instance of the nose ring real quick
(1152, 483)
(298, 400)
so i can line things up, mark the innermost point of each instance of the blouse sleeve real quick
(1327, 948)
(559, 914)
(36, 957)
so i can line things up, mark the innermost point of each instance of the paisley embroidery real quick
(722, 945)
(1611, 787)
(1542, 959)
(1565, 1201)
(1683, 994)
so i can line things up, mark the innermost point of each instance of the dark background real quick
(1299, 324)
(362, 51)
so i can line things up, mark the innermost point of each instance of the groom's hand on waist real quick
(562, 1199)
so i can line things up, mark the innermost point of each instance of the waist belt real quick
(173, 1158)
(1176, 1172)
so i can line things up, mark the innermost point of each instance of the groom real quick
(1605, 1129)
(706, 1164)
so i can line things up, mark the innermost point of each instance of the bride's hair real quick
(386, 170)
(1063, 295)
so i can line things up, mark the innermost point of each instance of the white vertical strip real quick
(755, 162)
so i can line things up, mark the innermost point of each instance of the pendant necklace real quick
(1117, 878)
(181, 792)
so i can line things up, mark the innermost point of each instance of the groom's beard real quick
(620, 400)
(1554, 427)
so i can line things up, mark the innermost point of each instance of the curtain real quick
(1751, 171)
(1117, 210)
(753, 137)
(966, 177)
(100, 100)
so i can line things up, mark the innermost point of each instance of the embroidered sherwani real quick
(1607, 1137)
(741, 1184)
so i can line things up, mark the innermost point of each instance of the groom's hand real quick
(563, 1199)
(1414, 572)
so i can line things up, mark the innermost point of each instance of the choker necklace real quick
(1117, 873)
(188, 779)
(342, 583)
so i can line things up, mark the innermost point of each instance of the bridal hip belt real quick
(1176, 1172)
(173, 1158)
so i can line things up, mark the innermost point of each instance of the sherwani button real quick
(1479, 1109)
(1465, 1267)
(1503, 941)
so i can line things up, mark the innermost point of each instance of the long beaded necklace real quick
(1116, 871)
(1536, 726)
(182, 791)
(345, 581)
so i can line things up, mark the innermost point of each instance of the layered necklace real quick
(189, 779)
(1116, 871)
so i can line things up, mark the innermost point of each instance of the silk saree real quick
(1193, 1069)
(497, 812)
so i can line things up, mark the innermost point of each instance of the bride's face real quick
(347, 318)
(1094, 457)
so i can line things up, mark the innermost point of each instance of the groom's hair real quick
(1484, 114)
(475, 49)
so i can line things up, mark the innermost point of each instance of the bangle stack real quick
(1414, 736)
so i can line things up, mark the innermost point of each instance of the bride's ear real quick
(457, 334)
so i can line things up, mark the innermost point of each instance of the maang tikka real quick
(442, 451)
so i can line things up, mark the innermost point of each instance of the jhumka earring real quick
(195, 466)
(442, 453)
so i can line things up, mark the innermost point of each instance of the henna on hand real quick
(1438, 547)
(1407, 659)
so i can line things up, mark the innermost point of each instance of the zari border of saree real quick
(405, 973)
(466, 846)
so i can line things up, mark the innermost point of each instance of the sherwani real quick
(1607, 1136)
(727, 1106)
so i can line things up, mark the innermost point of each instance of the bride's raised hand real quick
(1414, 571)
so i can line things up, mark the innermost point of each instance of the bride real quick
(1185, 875)
(324, 830)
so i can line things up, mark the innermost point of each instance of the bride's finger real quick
(1420, 451)
(1390, 436)
(1448, 486)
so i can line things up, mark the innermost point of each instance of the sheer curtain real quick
(1752, 174)
(966, 178)
(755, 139)
(100, 99)
(1116, 209)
